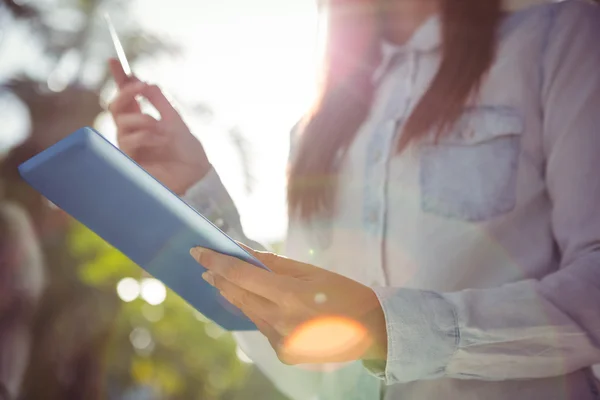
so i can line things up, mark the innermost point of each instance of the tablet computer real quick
(97, 184)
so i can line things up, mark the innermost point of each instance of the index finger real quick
(126, 98)
(253, 279)
(119, 75)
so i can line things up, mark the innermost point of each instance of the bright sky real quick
(253, 62)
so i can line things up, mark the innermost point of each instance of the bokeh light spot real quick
(141, 339)
(128, 289)
(153, 291)
(320, 298)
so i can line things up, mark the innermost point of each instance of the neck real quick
(399, 19)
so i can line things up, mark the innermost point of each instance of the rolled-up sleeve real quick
(533, 328)
(210, 198)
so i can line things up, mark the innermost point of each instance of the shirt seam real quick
(387, 372)
(553, 11)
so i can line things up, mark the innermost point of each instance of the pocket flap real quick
(481, 124)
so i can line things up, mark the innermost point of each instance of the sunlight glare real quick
(326, 337)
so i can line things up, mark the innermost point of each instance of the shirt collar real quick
(426, 38)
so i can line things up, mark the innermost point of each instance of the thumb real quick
(281, 265)
(116, 70)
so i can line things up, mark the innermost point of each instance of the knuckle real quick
(273, 320)
(244, 299)
(284, 357)
(233, 274)
(218, 282)
(154, 89)
(204, 258)
(147, 119)
(288, 300)
(232, 271)
(237, 302)
(269, 257)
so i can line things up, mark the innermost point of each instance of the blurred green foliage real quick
(181, 355)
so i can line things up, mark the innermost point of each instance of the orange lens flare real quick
(327, 339)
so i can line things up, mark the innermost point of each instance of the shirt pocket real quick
(470, 174)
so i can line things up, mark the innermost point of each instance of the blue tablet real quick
(97, 184)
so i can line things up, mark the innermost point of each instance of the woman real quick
(446, 184)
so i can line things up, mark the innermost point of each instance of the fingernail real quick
(226, 297)
(195, 252)
(208, 277)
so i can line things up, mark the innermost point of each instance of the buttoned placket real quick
(395, 107)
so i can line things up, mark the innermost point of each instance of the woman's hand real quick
(309, 315)
(165, 148)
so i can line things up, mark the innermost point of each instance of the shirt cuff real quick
(210, 198)
(422, 332)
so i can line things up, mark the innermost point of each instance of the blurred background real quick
(241, 73)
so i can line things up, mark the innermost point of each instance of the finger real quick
(134, 142)
(266, 329)
(249, 302)
(262, 322)
(240, 273)
(280, 264)
(160, 102)
(126, 98)
(119, 75)
(239, 297)
(132, 122)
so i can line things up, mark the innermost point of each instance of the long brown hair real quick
(352, 54)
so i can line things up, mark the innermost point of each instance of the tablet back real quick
(97, 184)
